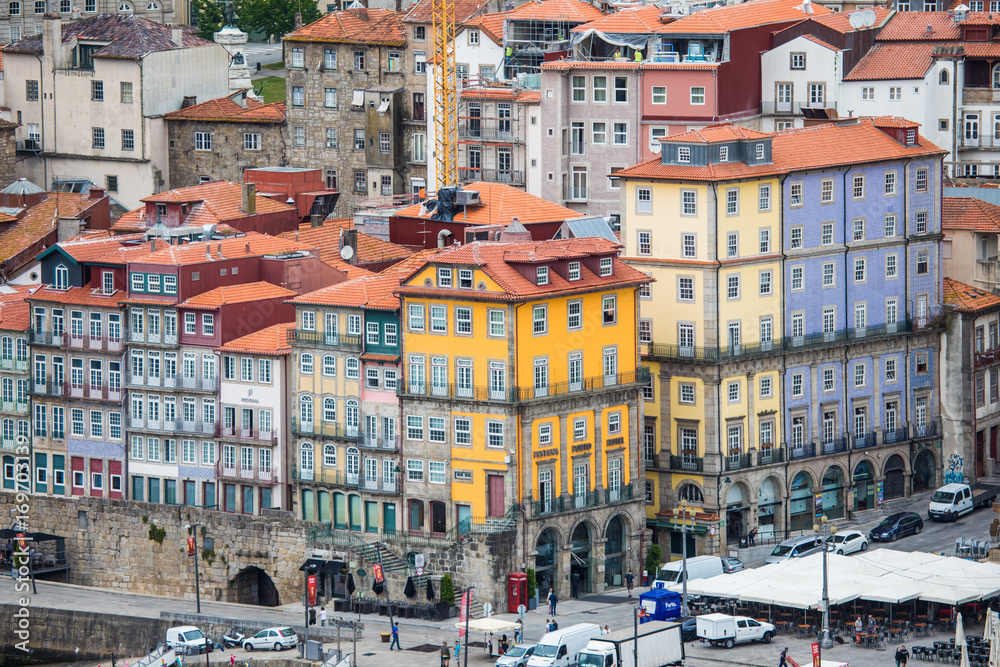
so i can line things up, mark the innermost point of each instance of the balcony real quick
(174, 382)
(14, 364)
(890, 436)
(770, 455)
(47, 388)
(334, 477)
(378, 442)
(864, 440)
(986, 141)
(14, 406)
(93, 343)
(508, 176)
(245, 434)
(834, 446)
(987, 271)
(485, 131)
(519, 394)
(38, 337)
(927, 429)
(303, 337)
(255, 474)
(687, 462)
(379, 485)
(792, 107)
(737, 462)
(571, 503)
(326, 429)
(806, 451)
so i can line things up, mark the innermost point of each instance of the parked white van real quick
(187, 637)
(561, 648)
(699, 567)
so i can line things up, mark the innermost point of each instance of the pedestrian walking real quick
(752, 535)
(902, 655)
(548, 625)
(489, 644)
(630, 581)
(312, 615)
(607, 629)
(783, 658)
(518, 631)
(322, 617)
(445, 654)
(458, 653)
(552, 602)
(395, 637)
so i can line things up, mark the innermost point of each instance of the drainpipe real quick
(781, 375)
(844, 371)
(41, 133)
(954, 117)
(714, 212)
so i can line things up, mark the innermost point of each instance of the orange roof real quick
(981, 49)
(894, 122)
(717, 133)
(642, 20)
(893, 61)
(978, 18)
(500, 204)
(326, 239)
(14, 310)
(84, 250)
(841, 21)
(966, 298)
(817, 40)
(125, 254)
(495, 260)
(252, 244)
(816, 147)
(912, 26)
(555, 10)
(970, 213)
(421, 12)
(226, 110)
(223, 296)
(80, 296)
(271, 341)
(608, 64)
(490, 25)
(722, 19)
(354, 26)
(40, 220)
(502, 93)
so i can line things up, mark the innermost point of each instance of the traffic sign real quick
(418, 560)
(420, 571)
(377, 569)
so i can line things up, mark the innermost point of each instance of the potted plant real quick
(448, 594)
(653, 560)
(532, 590)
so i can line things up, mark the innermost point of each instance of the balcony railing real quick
(302, 336)
(737, 461)
(328, 429)
(806, 451)
(890, 436)
(863, 440)
(687, 462)
(518, 394)
(793, 107)
(770, 455)
(14, 406)
(511, 176)
(334, 477)
(174, 382)
(928, 429)
(379, 485)
(834, 446)
(571, 503)
(988, 271)
(979, 141)
(254, 474)
(378, 442)
(46, 388)
(488, 133)
(14, 364)
(249, 434)
(987, 357)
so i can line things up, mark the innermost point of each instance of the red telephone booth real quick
(517, 591)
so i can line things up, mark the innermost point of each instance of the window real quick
(828, 381)
(416, 317)
(733, 392)
(606, 267)
(890, 266)
(859, 229)
(859, 375)
(96, 91)
(203, 141)
(868, 93)
(306, 366)
(126, 92)
(609, 309)
(688, 202)
(621, 89)
(251, 141)
(359, 60)
(921, 222)
(828, 274)
(859, 187)
(439, 319)
(732, 244)
(765, 283)
(494, 434)
(890, 226)
(895, 93)
(732, 201)
(644, 200)
(128, 140)
(298, 57)
(645, 243)
(683, 153)
(921, 179)
(688, 242)
(419, 147)
(579, 88)
(797, 391)
(796, 277)
(697, 95)
(498, 323)
(298, 96)
(539, 318)
(98, 137)
(921, 262)
(599, 133)
(384, 143)
(14, 9)
(859, 270)
(414, 470)
(797, 61)
(890, 182)
(764, 198)
(574, 315)
(620, 134)
(207, 324)
(600, 88)
(685, 288)
(733, 286)
(795, 194)
(826, 191)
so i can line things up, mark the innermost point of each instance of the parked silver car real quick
(795, 547)
(272, 638)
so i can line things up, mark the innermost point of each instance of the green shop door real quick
(389, 517)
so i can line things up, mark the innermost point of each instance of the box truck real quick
(724, 630)
(658, 644)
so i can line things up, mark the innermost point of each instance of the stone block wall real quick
(228, 158)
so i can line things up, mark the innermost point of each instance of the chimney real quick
(208, 251)
(298, 20)
(52, 39)
(97, 193)
(248, 246)
(220, 251)
(249, 198)
(152, 245)
(177, 37)
(189, 101)
(315, 220)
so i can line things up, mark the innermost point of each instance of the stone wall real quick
(8, 153)
(228, 159)
(108, 545)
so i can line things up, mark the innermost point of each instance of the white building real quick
(90, 97)
(803, 73)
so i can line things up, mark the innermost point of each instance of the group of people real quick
(322, 616)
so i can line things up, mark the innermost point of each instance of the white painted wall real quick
(823, 65)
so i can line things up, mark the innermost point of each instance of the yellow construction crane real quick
(445, 108)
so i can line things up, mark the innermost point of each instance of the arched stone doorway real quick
(864, 486)
(800, 502)
(895, 478)
(924, 477)
(614, 553)
(546, 567)
(737, 512)
(253, 586)
(833, 492)
(769, 509)
(579, 569)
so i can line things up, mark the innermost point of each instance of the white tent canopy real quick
(491, 624)
(883, 575)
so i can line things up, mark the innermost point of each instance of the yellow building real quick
(715, 303)
(520, 391)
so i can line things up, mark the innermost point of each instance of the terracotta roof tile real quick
(721, 19)
(270, 341)
(500, 204)
(817, 40)
(894, 122)
(80, 296)
(464, 10)
(717, 133)
(981, 49)
(490, 25)
(224, 109)
(912, 26)
(354, 26)
(370, 249)
(978, 18)
(642, 20)
(194, 253)
(508, 93)
(841, 21)
(555, 10)
(14, 310)
(384, 358)
(816, 147)
(970, 213)
(495, 259)
(608, 64)
(966, 298)
(125, 35)
(366, 292)
(893, 61)
(222, 296)
(87, 249)
(40, 221)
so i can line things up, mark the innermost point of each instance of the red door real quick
(993, 443)
(496, 500)
(980, 436)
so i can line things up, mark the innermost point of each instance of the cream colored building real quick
(93, 110)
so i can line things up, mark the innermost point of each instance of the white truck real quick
(188, 639)
(954, 500)
(725, 630)
(658, 643)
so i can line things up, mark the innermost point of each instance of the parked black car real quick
(689, 629)
(896, 526)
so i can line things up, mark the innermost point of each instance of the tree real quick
(276, 18)
(653, 560)
(210, 17)
(447, 590)
(532, 583)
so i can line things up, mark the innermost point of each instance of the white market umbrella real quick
(965, 654)
(988, 629)
(960, 635)
(484, 625)
(995, 642)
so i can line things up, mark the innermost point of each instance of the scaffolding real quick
(443, 33)
(491, 127)
(527, 41)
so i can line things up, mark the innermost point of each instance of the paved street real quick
(613, 609)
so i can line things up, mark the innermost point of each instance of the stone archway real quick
(546, 561)
(253, 586)
(737, 512)
(615, 544)
(895, 477)
(864, 485)
(580, 559)
(769, 512)
(833, 492)
(801, 512)
(924, 475)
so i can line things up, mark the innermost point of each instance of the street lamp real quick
(830, 531)
(684, 512)
(197, 589)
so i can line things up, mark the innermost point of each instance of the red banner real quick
(379, 577)
(22, 542)
(311, 589)
(191, 546)
(815, 651)
(464, 611)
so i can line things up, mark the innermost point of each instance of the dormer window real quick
(161, 210)
(911, 137)
(62, 277)
(465, 278)
(542, 275)
(444, 278)
(574, 270)
(723, 153)
(606, 267)
(683, 154)
(759, 151)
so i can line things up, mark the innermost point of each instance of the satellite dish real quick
(855, 19)
(806, 7)
(655, 147)
(867, 18)
(346, 253)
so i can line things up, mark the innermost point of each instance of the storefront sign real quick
(613, 442)
(542, 453)
(580, 449)
(879, 497)
(311, 589)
